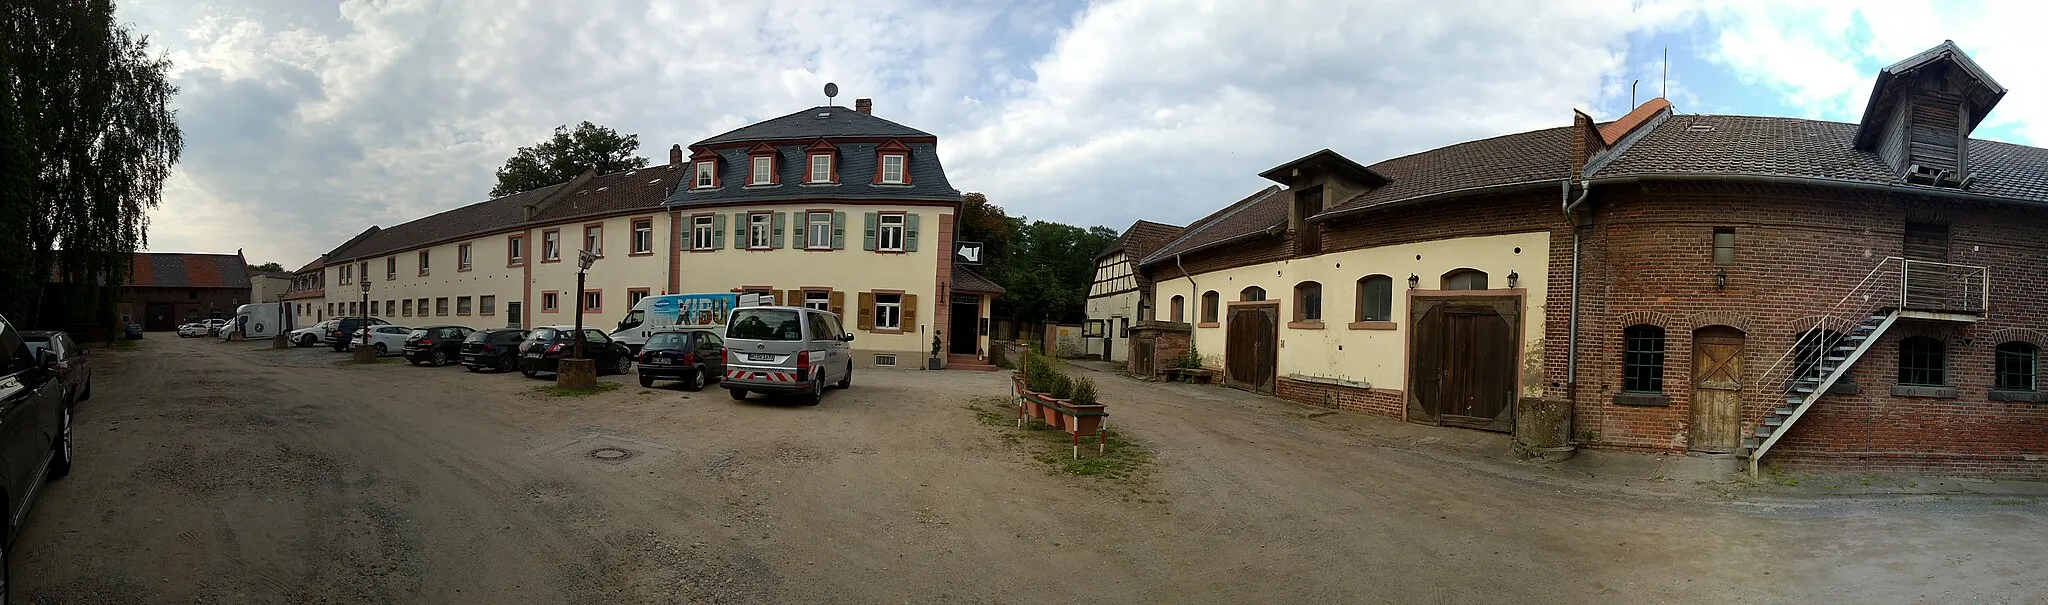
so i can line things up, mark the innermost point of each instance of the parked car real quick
(786, 350)
(545, 347)
(496, 349)
(213, 325)
(350, 326)
(35, 431)
(73, 367)
(386, 338)
(134, 331)
(314, 334)
(692, 356)
(192, 330)
(437, 345)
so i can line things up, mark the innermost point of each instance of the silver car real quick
(786, 350)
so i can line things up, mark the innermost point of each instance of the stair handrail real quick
(1835, 319)
(1978, 301)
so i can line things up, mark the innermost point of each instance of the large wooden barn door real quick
(1251, 350)
(1716, 390)
(1463, 361)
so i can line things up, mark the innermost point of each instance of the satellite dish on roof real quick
(831, 90)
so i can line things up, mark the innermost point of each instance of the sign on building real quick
(967, 253)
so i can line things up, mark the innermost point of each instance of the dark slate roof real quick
(318, 262)
(807, 124)
(1792, 147)
(856, 178)
(1141, 239)
(969, 281)
(1262, 211)
(177, 270)
(641, 189)
(479, 217)
(1539, 155)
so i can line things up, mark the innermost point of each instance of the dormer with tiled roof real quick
(821, 153)
(1315, 183)
(1921, 112)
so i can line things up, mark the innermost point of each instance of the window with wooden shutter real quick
(838, 231)
(865, 309)
(872, 222)
(839, 303)
(775, 295)
(910, 232)
(781, 222)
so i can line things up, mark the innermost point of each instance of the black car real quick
(692, 356)
(73, 367)
(492, 349)
(35, 431)
(436, 345)
(545, 347)
(344, 332)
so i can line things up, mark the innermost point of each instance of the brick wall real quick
(1648, 259)
(1388, 403)
(1167, 345)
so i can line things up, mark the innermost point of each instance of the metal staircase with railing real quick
(1831, 345)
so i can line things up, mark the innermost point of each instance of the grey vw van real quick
(786, 350)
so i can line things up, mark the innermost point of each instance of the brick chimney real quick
(1585, 140)
(675, 156)
(866, 106)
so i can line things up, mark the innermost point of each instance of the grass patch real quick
(1122, 460)
(559, 391)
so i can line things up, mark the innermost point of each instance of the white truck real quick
(672, 311)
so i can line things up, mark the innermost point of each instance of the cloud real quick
(307, 121)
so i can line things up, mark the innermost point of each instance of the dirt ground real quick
(228, 473)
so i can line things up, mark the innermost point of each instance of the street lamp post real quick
(365, 311)
(577, 371)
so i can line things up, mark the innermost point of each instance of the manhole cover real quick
(610, 454)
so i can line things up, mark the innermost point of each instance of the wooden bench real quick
(1196, 375)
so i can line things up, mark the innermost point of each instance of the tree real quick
(265, 268)
(981, 221)
(567, 154)
(90, 137)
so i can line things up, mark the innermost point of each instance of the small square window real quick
(821, 168)
(1724, 246)
(892, 169)
(764, 170)
(707, 174)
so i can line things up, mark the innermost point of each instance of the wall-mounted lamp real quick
(1721, 279)
(1514, 279)
(1414, 280)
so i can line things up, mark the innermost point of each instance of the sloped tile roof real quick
(1141, 238)
(1612, 132)
(179, 270)
(1792, 147)
(814, 123)
(856, 178)
(1261, 211)
(642, 189)
(965, 280)
(480, 217)
(1537, 155)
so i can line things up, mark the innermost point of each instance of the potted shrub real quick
(1055, 398)
(1084, 415)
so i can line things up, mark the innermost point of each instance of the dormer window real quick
(764, 170)
(821, 168)
(892, 164)
(707, 174)
(892, 169)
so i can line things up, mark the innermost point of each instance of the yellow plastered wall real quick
(615, 275)
(487, 276)
(851, 270)
(1375, 357)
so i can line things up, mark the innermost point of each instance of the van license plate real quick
(759, 357)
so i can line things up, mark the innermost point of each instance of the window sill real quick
(2024, 396)
(1373, 325)
(1925, 391)
(544, 262)
(824, 249)
(1207, 324)
(1305, 325)
(886, 331)
(754, 249)
(514, 264)
(905, 185)
(703, 189)
(463, 270)
(822, 184)
(703, 249)
(1642, 399)
(462, 315)
(647, 253)
(762, 186)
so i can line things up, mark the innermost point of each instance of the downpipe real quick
(1571, 347)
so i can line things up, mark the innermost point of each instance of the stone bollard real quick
(281, 342)
(576, 374)
(366, 354)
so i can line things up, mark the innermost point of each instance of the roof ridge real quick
(1198, 226)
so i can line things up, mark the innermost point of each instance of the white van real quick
(677, 311)
(258, 320)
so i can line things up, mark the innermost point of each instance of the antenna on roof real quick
(831, 90)
(1632, 94)
(1665, 90)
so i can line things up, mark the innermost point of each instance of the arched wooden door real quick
(1462, 362)
(1251, 351)
(1717, 354)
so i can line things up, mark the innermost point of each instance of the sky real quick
(307, 121)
